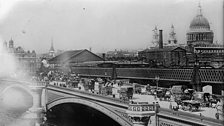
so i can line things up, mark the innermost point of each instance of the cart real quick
(190, 105)
(203, 98)
(126, 92)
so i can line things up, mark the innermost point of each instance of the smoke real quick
(8, 62)
(11, 67)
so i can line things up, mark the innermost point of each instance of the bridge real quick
(212, 77)
(34, 89)
(182, 75)
(61, 101)
(113, 108)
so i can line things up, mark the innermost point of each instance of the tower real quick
(172, 37)
(199, 34)
(51, 51)
(155, 39)
(11, 43)
(11, 46)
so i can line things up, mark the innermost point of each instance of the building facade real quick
(26, 59)
(165, 57)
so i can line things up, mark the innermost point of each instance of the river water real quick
(9, 116)
(13, 103)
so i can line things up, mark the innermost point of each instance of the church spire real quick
(51, 52)
(52, 46)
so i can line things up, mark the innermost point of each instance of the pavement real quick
(204, 111)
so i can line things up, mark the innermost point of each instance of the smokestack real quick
(160, 39)
(104, 56)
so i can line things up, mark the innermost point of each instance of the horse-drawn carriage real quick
(190, 105)
(126, 92)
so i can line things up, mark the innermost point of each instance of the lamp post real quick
(157, 83)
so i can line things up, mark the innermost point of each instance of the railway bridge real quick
(194, 77)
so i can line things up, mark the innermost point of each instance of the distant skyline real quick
(101, 25)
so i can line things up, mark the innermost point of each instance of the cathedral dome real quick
(199, 33)
(199, 22)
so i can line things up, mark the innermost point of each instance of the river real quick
(9, 116)
(13, 103)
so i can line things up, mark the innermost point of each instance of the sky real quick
(101, 25)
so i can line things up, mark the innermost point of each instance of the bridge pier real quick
(35, 114)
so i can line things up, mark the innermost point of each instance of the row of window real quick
(199, 36)
(209, 51)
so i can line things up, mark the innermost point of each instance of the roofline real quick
(73, 55)
(63, 53)
(81, 51)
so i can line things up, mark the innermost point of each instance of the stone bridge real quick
(34, 114)
(115, 108)
(108, 106)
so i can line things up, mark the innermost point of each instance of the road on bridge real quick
(204, 111)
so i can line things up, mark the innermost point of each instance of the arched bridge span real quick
(107, 111)
(8, 84)
(114, 108)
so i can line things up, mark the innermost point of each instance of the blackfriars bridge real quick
(48, 97)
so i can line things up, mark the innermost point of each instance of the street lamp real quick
(157, 83)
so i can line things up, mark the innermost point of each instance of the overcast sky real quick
(102, 25)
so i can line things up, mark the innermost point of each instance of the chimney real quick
(160, 39)
(104, 56)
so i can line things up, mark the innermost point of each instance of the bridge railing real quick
(40, 83)
(93, 94)
(206, 75)
(185, 117)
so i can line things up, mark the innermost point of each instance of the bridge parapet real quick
(88, 95)
(168, 117)
(212, 75)
(151, 73)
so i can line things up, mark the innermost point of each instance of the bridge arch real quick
(25, 87)
(108, 112)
